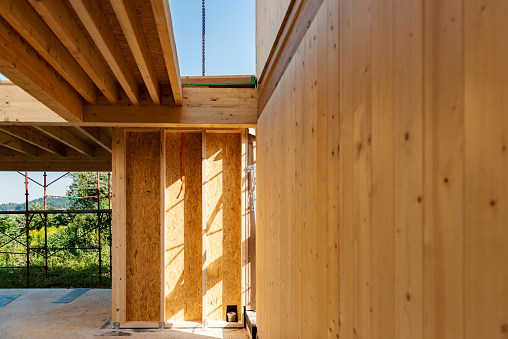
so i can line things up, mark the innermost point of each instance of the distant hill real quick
(53, 204)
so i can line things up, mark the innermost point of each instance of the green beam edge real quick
(252, 83)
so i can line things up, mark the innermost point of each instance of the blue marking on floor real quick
(71, 295)
(5, 299)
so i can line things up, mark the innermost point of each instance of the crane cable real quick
(203, 38)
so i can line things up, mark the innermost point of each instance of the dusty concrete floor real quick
(33, 315)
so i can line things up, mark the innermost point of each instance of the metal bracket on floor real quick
(116, 326)
(204, 325)
(162, 325)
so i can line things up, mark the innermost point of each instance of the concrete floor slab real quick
(34, 315)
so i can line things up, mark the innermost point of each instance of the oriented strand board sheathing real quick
(183, 229)
(143, 226)
(223, 274)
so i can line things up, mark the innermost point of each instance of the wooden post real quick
(118, 229)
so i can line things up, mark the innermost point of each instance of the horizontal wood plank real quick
(219, 107)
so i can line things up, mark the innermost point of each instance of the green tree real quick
(84, 184)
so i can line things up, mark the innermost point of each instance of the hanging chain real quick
(203, 38)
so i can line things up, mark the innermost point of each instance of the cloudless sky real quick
(230, 50)
(230, 36)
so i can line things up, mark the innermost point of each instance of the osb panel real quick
(224, 259)
(183, 229)
(143, 226)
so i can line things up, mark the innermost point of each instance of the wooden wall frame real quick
(119, 231)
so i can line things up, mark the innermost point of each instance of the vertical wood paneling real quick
(362, 169)
(260, 223)
(309, 184)
(332, 157)
(382, 157)
(321, 46)
(383, 176)
(346, 155)
(444, 170)
(486, 187)
(269, 17)
(288, 156)
(408, 170)
(299, 196)
(277, 239)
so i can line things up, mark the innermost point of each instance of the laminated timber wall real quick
(382, 161)
(273, 13)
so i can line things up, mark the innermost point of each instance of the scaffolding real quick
(43, 215)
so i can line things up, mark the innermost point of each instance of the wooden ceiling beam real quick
(19, 145)
(30, 136)
(164, 23)
(23, 18)
(21, 63)
(64, 136)
(202, 107)
(220, 80)
(7, 152)
(129, 21)
(58, 18)
(82, 165)
(97, 25)
(17, 106)
(97, 135)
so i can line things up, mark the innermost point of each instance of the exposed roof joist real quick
(98, 136)
(23, 18)
(98, 27)
(23, 65)
(7, 152)
(58, 18)
(19, 145)
(162, 16)
(128, 18)
(36, 139)
(66, 137)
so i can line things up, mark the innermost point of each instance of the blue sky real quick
(230, 50)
